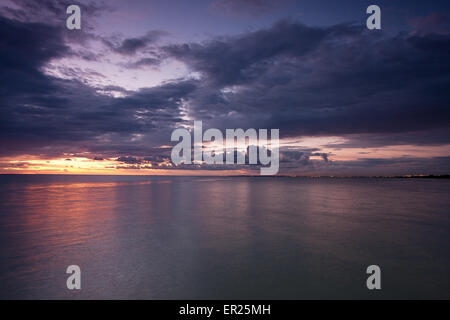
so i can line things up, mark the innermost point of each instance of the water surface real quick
(223, 238)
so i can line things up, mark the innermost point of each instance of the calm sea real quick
(223, 238)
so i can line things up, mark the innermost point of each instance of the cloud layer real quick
(373, 88)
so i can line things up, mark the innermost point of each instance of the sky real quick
(105, 99)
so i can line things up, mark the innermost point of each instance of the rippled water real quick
(220, 238)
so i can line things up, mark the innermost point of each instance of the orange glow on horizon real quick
(85, 166)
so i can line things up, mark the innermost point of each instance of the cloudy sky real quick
(105, 99)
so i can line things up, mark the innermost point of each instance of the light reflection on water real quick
(219, 238)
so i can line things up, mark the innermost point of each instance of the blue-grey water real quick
(223, 238)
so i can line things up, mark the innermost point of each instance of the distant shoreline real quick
(431, 176)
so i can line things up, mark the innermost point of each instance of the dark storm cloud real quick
(322, 81)
(154, 61)
(47, 116)
(21, 60)
(52, 13)
(239, 60)
(131, 46)
(157, 158)
(129, 160)
(294, 158)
